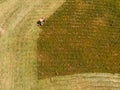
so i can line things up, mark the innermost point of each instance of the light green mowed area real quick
(18, 57)
(18, 51)
(86, 81)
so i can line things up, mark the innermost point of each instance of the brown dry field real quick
(77, 49)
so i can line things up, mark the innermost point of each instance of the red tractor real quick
(40, 22)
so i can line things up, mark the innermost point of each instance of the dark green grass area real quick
(82, 36)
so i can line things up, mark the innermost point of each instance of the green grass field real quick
(82, 36)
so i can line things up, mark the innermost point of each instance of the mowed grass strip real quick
(82, 36)
(86, 81)
(18, 53)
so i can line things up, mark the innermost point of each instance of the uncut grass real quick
(82, 36)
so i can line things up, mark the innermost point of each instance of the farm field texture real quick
(82, 36)
(76, 49)
(18, 45)
(91, 81)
